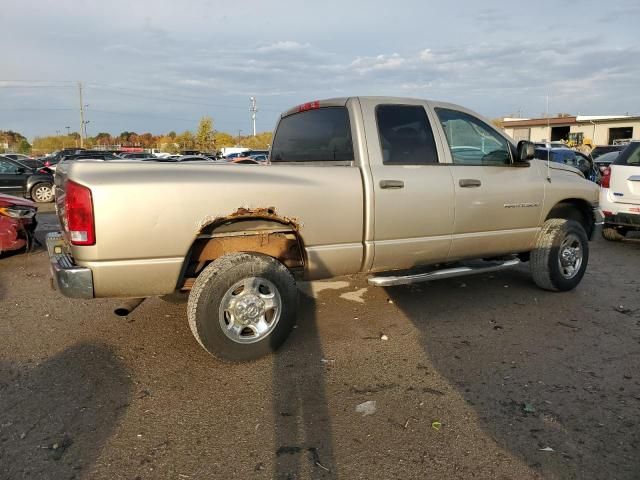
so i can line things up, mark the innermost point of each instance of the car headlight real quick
(15, 211)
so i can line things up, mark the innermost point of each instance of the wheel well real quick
(575, 209)
(267, 236)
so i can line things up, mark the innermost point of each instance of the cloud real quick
(285, 46)
(426, 55)
(364, 65)
(205, 52)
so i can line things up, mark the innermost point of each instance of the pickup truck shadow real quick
(56, 416)
(536, 369)
(304, 442)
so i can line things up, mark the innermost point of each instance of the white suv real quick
(620, 194)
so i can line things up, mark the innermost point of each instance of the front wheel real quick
(560, 257)
(42, 193)
(242, 306)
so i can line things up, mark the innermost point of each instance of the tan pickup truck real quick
(401, 190)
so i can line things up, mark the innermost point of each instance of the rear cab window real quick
(406, 137)
(316, 135)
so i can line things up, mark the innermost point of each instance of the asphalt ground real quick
(478, 377)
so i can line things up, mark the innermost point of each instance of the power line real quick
(35, 86)
(93, 110)
(37, 109)
(174, 98)
(136, 93)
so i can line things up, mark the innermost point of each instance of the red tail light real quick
(309, 106)
(78, 208)
(606, 178)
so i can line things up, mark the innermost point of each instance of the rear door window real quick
(405, 134)
(319, 135)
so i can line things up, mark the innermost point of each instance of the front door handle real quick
(469, 183)
(391, 184)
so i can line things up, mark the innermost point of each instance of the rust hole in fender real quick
(208, 224)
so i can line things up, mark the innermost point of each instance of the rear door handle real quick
(469, 183)
(391, 184)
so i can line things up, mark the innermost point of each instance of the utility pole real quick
(82, 124)
(68, 132)
(239, 133)
(253, 110)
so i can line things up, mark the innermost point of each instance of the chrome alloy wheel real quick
(43, 194)
(250, 310)
(570, 256)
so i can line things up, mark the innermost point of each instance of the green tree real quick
(223, 139)
(204, 136)
(12, 139)
(168, 144)
(23, 146)
(261, 141)
(103, 138)
(185, 140)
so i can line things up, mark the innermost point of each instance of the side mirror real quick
(526, 151)
(20, 170)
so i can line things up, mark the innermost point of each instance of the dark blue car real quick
(571, 158)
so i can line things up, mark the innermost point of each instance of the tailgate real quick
(625, 184)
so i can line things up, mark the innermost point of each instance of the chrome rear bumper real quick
(70, 279)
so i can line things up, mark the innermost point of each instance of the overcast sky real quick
(160, 65)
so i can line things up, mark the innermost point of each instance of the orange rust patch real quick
(282, 246)
(265, 213)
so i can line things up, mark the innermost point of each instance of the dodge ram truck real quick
(402, 190)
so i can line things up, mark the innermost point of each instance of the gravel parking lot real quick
(479, 377)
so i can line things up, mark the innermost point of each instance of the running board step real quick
(392, 280)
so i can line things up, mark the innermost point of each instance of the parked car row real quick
(19, 179)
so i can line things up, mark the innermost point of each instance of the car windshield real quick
(598, 151)
(607, 157)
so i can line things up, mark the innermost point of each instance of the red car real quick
(17, 222)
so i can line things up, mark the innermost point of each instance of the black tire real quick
(613, 234)
(216, 281)
(545, 258)
(38, 198)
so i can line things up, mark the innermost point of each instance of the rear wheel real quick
(613, 234)
(560, 258)
(42, 192)
(242, 306)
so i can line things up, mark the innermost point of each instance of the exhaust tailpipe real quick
(128, 306)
